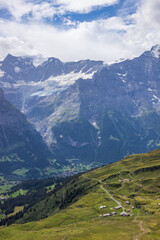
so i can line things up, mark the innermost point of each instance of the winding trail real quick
(106, 191)
(142, 229)
(118, 203)
(141, 233)
(139, 223)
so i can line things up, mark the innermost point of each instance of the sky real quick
(71, 30)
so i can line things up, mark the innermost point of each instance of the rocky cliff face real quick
(122, 103)
(22, 150)
(86, 111)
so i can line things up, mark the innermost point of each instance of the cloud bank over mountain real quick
(72, 29)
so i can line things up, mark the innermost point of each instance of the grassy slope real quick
(81, 220)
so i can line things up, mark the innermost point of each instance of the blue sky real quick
(55, 11)
(79, 29)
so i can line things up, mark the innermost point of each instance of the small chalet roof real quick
(113, 213)
(118, 207)
(101, 207)
(124, 214)
(106, 215)
(126, 180)
(128, 210)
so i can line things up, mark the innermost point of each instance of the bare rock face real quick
(1, 95)
(21, 146)
(87, 111)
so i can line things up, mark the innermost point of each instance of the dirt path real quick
(106, 191)
(142, 229)
(140, 223)
(118, 203)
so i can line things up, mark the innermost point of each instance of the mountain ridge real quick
(22, 151)
(119, 104)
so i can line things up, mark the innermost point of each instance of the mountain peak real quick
(155, 51)
(39, 60)
(9, 57)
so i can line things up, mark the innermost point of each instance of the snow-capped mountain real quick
(86, 110)
(33, 77)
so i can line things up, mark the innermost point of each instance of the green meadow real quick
(133, 182)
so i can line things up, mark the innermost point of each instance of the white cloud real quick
(17, 8)
(151, 11)
(38, 10)
(44, 10)
(107, 39)
(95, 40)
(83, 6)
(128, 7)
(145, 31)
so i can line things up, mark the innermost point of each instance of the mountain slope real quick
(121, 102)
(22, 150)
(30, 79)
(74, 210)
(143, 171)
(89, 113)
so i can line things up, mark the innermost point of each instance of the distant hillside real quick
(22, 150)
(89, 205)
(89, 113)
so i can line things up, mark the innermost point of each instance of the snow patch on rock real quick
(156, 51)
(155, 97)
(122, 76)
(70, 78)
(150, 90)
(17, 69)
(39, 60)
(1, 73)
